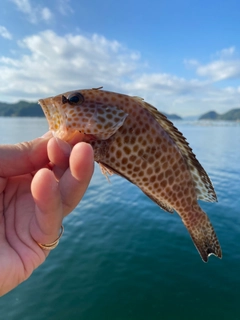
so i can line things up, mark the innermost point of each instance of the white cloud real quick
(64, 7)
(220, 70)
(227, 52)
(34, 13)
(225, 66)
(52, 64)
(191, 63)
(172, 94)
(46, 14)
(23, 5)
(5, 33)
(167, 84)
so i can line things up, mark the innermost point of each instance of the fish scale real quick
(134, 140)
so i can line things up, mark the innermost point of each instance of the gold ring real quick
(52, 245)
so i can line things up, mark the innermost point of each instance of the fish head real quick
(79, 111)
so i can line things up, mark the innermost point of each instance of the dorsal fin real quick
(203, 184)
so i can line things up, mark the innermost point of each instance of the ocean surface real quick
(123, 258)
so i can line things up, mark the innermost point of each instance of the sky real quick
(183, 57)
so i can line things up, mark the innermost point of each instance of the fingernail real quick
(64, 146)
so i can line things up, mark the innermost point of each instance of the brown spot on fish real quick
(134, 140)
(127, 150)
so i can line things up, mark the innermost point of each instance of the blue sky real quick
(181, 56)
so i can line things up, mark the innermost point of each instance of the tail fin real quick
(202, 234)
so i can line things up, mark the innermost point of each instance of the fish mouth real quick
(47, 112)
(57, 121)
(54, 116)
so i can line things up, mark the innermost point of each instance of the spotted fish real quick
(134, 140)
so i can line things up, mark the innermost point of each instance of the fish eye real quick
(75, 98)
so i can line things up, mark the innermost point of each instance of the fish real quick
(132, 139)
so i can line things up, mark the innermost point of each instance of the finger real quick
(48, 216)
(58, 153)
(24, 157)
(3, 183)
(75, 180)
(54, 200)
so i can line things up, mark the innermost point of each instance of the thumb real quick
(24, 157)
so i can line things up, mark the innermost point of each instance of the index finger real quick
(75, 180)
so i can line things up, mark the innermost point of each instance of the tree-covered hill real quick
(21, 109)
(233, 115)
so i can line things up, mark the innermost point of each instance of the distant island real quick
(172, 116)
(33, 109)
(20, 109)
(233, 115)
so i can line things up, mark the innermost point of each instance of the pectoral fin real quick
(107, 120)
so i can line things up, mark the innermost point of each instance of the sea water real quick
(123, 258)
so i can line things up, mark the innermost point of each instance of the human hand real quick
(41, 182)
